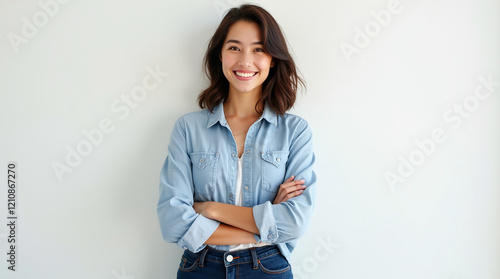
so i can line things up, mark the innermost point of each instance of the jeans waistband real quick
(229, 258)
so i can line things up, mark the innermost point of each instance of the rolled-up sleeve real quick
(179, 223)
(287, 221)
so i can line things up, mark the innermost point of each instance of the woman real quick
(223, 193)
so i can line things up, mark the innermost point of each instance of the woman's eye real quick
(233, 48)
(259, 50)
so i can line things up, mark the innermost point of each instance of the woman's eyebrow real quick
(238, 42)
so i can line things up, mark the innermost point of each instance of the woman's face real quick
(244, 62)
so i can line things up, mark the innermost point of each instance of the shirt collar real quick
(218, 116)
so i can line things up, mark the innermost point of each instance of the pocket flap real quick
(277, 158)
(203, 159)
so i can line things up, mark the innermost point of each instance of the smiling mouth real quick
(245, 75)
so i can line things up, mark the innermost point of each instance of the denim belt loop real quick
(255, 260)
(202, 256)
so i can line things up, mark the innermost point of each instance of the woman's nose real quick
(246, 60)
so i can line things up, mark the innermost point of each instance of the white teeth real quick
(245, 74)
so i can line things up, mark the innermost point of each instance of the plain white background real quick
(381, 75)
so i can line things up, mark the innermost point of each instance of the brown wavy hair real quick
(279, 89)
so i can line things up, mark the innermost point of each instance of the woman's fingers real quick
(286, 197)
(294, 194)
(290, 178)
(289, 182)
(289, 189)
(291, 186)
(294, 191)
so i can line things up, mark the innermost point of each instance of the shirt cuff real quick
(199, 231)
(264, 219)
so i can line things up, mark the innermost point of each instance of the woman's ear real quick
(272, 63)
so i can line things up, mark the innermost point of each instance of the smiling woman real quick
(233, 188)
(244, 62)
(280, 88)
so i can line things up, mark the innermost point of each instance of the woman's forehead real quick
(244, 32)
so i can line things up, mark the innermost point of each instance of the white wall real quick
(400, 84)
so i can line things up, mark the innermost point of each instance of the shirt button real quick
(201, 160)
(246, 187)
(229, 258)
(233, 155)
(248, 151)
(278, 159)
(231, 196)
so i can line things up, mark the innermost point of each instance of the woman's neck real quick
(242, 105)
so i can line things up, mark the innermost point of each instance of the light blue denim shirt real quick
(202, 165)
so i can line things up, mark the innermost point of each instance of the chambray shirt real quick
(202, 166)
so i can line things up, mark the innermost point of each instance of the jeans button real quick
(229, 258)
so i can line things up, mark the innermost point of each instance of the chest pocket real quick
(204, 174)
(273, 169)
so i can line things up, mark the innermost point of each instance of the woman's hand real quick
(289, 189)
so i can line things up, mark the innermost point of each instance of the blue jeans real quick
(261, 262)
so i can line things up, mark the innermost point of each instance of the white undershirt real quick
(239, 201)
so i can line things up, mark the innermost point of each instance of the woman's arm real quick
(236, 216)
(178, 221)
(242, 217)
(288, 221)
(229, 235)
